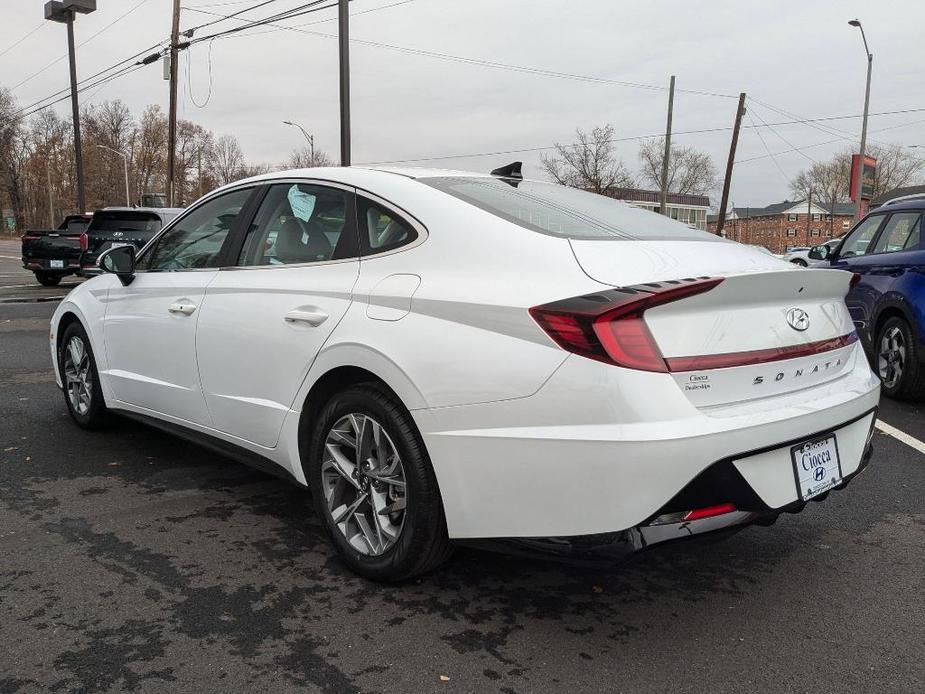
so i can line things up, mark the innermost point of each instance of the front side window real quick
(196, 240)
(858, 241)
(562, 211)
(901, 232)
(381, 229)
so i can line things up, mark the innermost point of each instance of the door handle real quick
(313, 316)
(185, 307)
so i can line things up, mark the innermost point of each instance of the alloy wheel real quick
(78, 376)
(364, 484)
(892, 357)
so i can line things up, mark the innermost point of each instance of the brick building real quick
(786, 224)
(690, 209)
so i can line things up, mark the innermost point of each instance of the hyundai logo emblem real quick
(818, 474)
(798, 319)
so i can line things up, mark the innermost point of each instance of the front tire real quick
(77, 366)
(897, 361)
(47, 279)
(374, 487)
(800, 262)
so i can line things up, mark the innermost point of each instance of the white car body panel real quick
(526, 439)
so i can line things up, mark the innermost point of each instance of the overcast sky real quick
(796, 55)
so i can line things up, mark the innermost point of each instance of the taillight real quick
(609, 326)
(84, 242)
(695, 514)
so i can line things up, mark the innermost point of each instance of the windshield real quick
(125, 221)
(561, 211)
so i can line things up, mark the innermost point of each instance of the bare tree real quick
(689, 171)
(897, 166)
(591, 163)
(305, 158)
(14, 150)
(227, 160)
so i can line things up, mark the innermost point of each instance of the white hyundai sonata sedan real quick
(442, 356)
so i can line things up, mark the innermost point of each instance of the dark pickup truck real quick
(53, 254)
(116, 226)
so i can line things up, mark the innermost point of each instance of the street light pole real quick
(128, 198)
(870, 62)
(310, 138)
(64, 11)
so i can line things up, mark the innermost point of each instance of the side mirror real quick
(820, 252)
(120, 261)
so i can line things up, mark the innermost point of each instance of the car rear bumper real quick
(585, 455)
(616, 546)
(44, 265)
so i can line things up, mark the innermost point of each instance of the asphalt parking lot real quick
(132, 561)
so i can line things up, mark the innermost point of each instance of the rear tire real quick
(77, 366)
(365, 458)
(47, 279)
(897, 361)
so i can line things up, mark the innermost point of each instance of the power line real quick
(768, 149)
(16, 43)
(249, 23)
(82, 43)
(225, 17)
(462, 59)
(782, 139)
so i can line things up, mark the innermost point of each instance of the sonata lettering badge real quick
(816, 466)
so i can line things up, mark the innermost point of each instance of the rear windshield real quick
(74, 225)
(119, 220)
(561, 211)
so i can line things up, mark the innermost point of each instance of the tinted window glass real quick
(297, 223)
(125, 220)
(900, 232)
(76, 226)
(858, 241)
(562, 211)
(195, 241)
(381, 229)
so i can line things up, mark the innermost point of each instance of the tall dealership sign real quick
(862, 183)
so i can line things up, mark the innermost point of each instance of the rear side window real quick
(381, 229)
(300, 223)
(561, 211)
(901, 232)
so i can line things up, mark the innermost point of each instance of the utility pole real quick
(727, 181)
(172, 115)
(199, 168)
(663, 199)
(343, 38)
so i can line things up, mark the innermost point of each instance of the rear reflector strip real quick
(759, 356)
(696, 514)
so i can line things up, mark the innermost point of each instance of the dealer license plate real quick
(56, 263)
(816, 466)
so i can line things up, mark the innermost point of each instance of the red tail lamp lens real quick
(610, 326)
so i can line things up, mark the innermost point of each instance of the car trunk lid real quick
(766, 329)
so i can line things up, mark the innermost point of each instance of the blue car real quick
(888, 303)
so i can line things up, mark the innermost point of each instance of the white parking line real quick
(901, 436)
